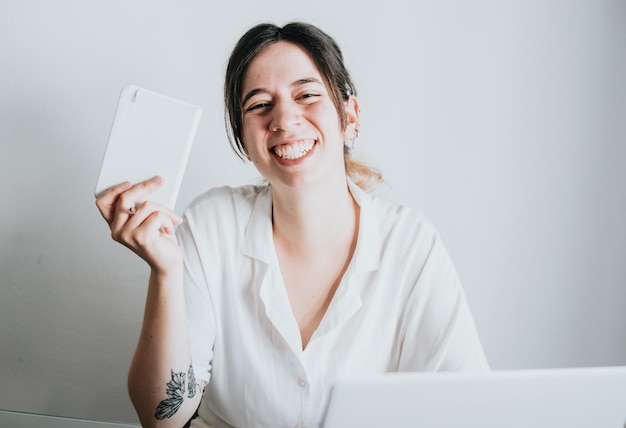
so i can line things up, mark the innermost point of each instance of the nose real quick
(285, 115)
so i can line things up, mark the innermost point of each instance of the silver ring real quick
(132, 211)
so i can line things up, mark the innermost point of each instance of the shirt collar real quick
(258, 242)
(368, 247)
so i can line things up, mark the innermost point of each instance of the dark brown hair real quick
(328, 59)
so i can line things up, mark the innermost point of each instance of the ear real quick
(352, 118)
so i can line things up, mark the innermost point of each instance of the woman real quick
(267, 294)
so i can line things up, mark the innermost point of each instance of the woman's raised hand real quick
(146, 228)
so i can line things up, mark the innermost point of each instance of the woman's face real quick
(291, 128)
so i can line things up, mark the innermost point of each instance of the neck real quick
(308, 220)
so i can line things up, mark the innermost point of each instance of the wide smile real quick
(293, 151)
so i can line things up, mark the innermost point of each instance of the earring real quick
(350, 141)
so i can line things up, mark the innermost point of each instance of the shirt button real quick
(302, 383)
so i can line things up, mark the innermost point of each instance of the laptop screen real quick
(578, 397)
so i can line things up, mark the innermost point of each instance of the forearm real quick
(161, 383)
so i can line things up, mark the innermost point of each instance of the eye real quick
(259, 106)
(308, 96)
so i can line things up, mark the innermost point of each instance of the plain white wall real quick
(502, 121)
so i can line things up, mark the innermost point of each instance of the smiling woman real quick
(291, 129)
(503, 121)
(333, 80)
(268, 294)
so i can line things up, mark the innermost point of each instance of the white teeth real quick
(295, 150)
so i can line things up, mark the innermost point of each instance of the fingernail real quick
(158, 179)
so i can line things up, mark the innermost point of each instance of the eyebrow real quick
(297, 83)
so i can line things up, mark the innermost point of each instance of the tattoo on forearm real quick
(191, 382)
(175, 390)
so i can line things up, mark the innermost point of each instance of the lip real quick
(295, 141)
(287, 141)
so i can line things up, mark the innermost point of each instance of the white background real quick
(502, 120)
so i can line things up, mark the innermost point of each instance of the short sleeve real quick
(201, 327)
(438, 330)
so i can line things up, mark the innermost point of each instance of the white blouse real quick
(399, 307)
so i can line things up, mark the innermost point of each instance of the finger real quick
(141, 237)
(140, 190)
(147, 209)
(128, 200)
(107, 200)
(124, 222)
(161, 221)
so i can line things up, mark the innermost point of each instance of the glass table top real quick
(13, 419)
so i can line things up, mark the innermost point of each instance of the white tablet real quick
(151, 135)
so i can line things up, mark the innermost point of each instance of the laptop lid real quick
(577, 397)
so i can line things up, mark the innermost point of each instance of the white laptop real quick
(572, 398)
